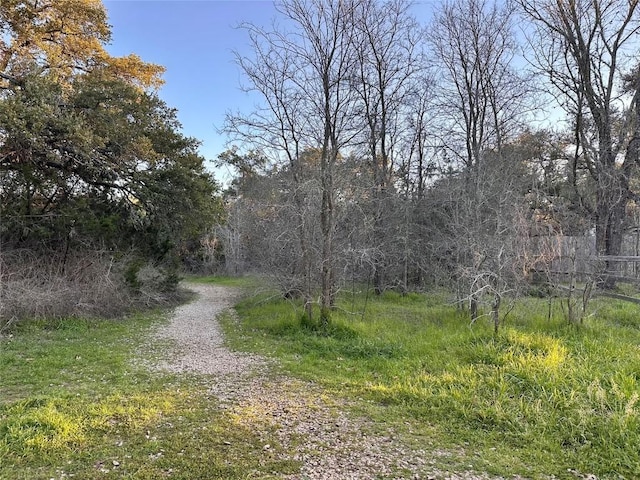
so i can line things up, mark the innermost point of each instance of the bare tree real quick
(390, 61)
(422, 149)
(277, 127)
(585, 47)
(304, 76)
(482, 101)
(482, 97)
(483, 241)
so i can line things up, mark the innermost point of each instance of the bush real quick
(89, 284)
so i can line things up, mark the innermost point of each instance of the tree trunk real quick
(473, 308)
(327, 222)
(378, 279)
(610, 214)
(380, 232)
(495, 312)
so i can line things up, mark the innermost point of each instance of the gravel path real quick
(329, 443)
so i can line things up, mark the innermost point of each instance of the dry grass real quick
(76, 284)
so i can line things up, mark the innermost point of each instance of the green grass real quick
(72, 403)
(542, 398)
(240, 282)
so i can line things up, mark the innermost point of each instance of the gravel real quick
(198, 339)
(329, 442)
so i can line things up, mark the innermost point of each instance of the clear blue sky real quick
(195, 40)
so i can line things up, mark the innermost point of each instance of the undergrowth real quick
(542, 398)
(81, 283)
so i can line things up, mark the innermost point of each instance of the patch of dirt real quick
(329, 442)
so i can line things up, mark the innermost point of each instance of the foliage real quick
(542, 398)
(63, 37)
(90, 157)
(102, 160)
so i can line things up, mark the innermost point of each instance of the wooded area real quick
(385, 154)
(456, 154)
(397, 182)
(100, 193)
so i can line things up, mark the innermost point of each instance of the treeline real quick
(100, 193)
(401, 155)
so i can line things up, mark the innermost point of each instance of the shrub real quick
(88, 283)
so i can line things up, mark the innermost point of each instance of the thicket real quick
(99, 191)
(407, 156)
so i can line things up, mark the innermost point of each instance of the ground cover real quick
(541, 399)
(73, 404)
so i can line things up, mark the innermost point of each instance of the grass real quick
(543, 398)
(239, 282)
(73, 404)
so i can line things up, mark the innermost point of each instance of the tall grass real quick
(541, 398)
(84, 283)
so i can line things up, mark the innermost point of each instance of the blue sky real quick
(194, 40)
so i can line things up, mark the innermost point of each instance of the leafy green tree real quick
(101, 158)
